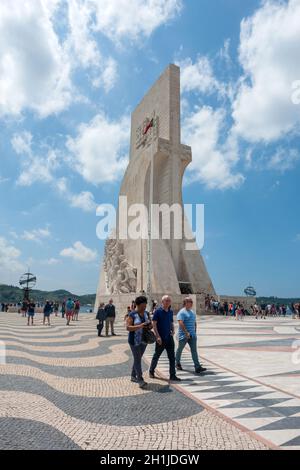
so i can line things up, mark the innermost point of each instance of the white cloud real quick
(3, 180)
(269, 53)
(34, 68)
(297, 238)
(99, 152)
(109, 74)
(34, 167)
(224, 53)
(43, 42)
(133, 19)
(41, 168)
(199, 76)
(284, 159)
(62, 186)
(14, 234)
(36, 235)
(51, 261)
(9, 262)
(79, 252)
(84, 200)
(212, 162)
(80, 40)
(21, 143)
(83, 48)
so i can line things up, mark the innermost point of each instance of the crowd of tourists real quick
(156, 326)
(5, 307)
(239, 311)
(69, 308)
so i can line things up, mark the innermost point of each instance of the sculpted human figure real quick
(130, 275)
(120, 284)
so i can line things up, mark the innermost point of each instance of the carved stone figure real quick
(130, 275)
(120, 275)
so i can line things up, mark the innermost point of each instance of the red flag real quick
(148, 126)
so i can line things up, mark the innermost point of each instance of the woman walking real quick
(137, 321)
(76, 310)
(101, 315)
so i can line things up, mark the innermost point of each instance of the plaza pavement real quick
(253, 375)
(64, 388)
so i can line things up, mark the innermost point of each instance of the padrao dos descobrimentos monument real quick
(154, 176)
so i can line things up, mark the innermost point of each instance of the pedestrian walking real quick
(31, 312)
(24, 308)
(110, 311)
(187, 334)
(163, 327)
(76, 310)
(137, 321)
(101, 315)
(56, 308)
(47, 312)
(128, 312)
(63, 309)
(69, 310)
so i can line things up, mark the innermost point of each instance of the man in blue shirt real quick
(163, 326)
(187, 334)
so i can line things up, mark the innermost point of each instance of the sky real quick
(72, 71)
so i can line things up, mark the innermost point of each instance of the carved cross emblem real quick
(147, 131)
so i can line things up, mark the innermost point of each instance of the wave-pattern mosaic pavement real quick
(64, 388)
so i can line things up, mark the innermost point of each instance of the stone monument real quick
(154, 176)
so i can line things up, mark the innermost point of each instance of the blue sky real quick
(71, 72)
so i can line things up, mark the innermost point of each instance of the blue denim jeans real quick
(137, 352)
(192, 342)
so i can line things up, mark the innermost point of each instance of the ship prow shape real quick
(154, 176)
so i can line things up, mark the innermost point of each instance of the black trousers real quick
(169, 346)
(100, 327)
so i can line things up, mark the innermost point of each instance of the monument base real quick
(122, 301)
